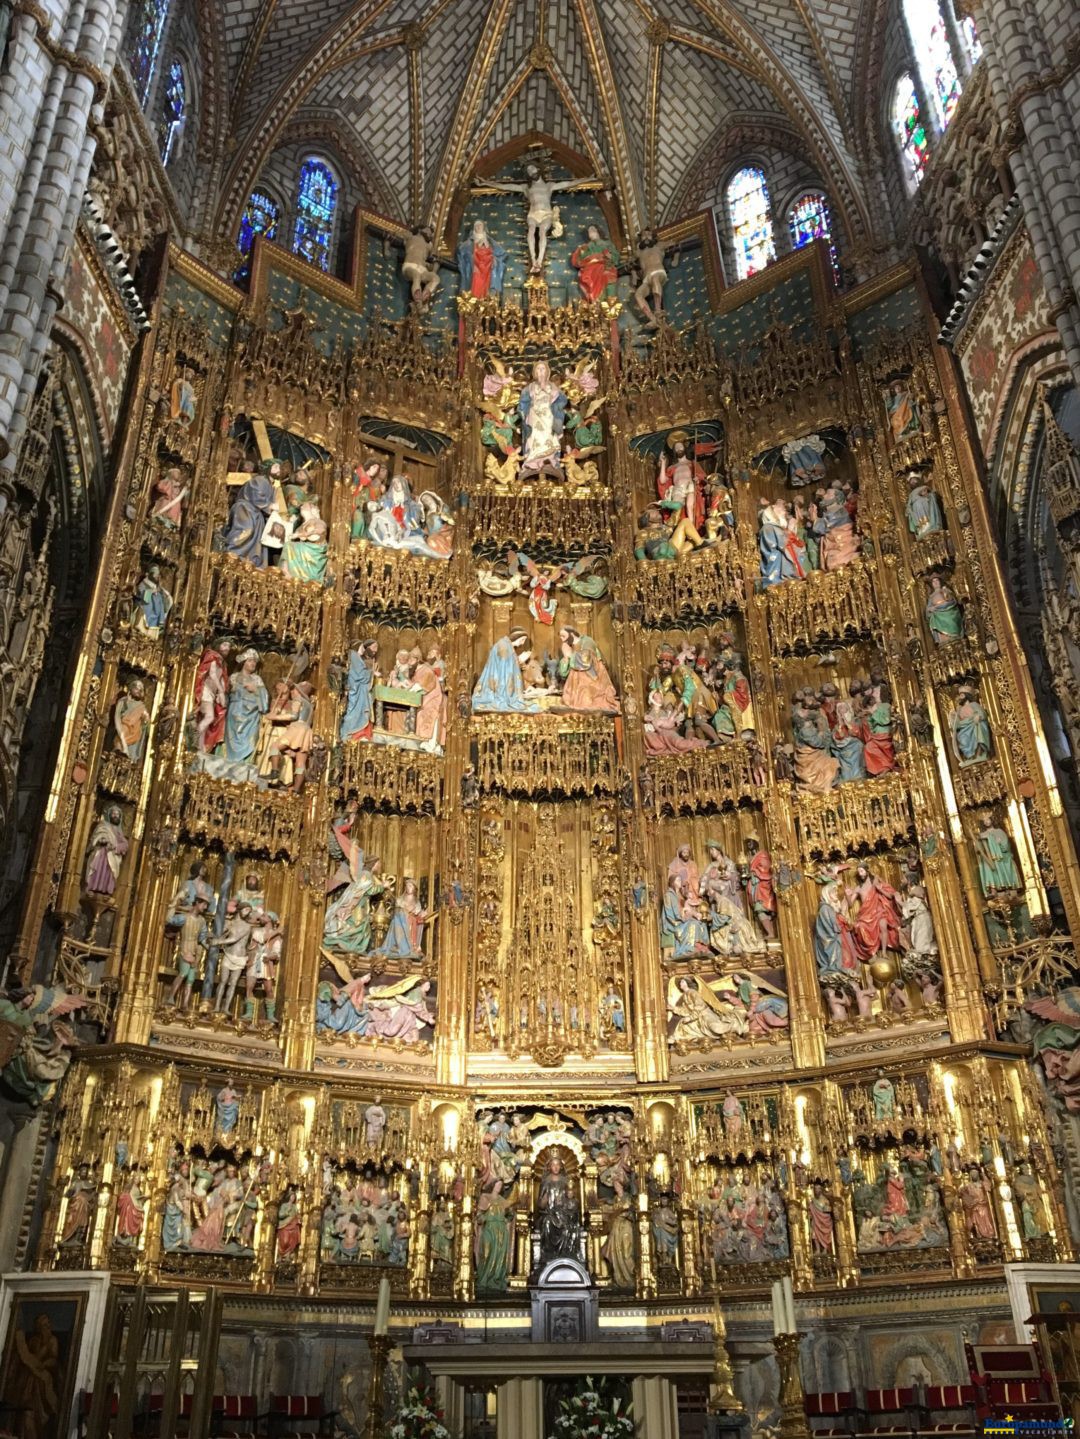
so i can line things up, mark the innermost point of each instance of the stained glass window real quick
(260, 217)
(146, 26)
(970, 36)
(316, 198)
(751, 221)
(930, 42)
(909, 131)
(172, 112)
(809, 219)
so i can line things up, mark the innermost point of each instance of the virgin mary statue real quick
(542, 407)
(501, 688)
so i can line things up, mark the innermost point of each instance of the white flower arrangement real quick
(591, 1415)
(418, 1420)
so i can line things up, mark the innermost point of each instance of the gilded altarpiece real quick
(566, 795)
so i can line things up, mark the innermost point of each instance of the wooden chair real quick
(1008, 1378)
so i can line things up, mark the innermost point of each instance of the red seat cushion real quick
(1017, 1391)
(839, 1401)
(297, 1406)
(948, 1426)
(888, 1401)
(949, 1396)
(832, 1431)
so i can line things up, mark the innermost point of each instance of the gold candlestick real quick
(793, 1423)
(379, 1344)
(722, 1396)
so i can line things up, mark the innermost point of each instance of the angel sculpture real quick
(1055, 1042)
(579, 578)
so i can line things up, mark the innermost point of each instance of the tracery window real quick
(809, 219)
(910, 131)
(316, 200)
(260, 217)
(751, 221)
(173, 110)
(146, 26)
(930, 43)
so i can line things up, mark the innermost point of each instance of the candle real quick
(382, 1308)
(788, 1295)
(777, 1308)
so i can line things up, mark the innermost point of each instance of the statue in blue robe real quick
(248, 702)
(969, 725)
(684, 936)
(255, 501)
(500, 688)
(357, 719)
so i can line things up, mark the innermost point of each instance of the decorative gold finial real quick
(722, 1396)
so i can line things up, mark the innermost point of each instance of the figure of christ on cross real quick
(541, 213)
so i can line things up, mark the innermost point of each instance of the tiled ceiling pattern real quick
(628, 50)
(800, 54)
(567, 43)
(708, 91)
(536, 106)
(837, 22)
(517, 40)
(448, 50)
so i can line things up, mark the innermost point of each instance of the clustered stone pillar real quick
(1031, 91)
(59, 57)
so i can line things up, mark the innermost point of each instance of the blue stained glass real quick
(810, 220)
(172, 113)
(260, 217)
(751, 221)
(316, 200)
(146, 26)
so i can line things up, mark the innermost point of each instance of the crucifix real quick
(542, 214)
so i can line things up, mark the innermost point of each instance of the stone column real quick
(1028, 87)
(57, 70)
(519, 1410)
(18, 1170)
(656, 1409)
(451, 1400)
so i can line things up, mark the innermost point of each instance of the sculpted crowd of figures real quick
(862, 922)
(698, 696)
(838, 737)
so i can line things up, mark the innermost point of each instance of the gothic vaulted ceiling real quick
(660, 96)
